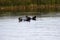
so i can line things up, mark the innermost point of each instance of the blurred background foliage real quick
(15, 6)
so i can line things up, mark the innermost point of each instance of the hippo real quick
(26, 18)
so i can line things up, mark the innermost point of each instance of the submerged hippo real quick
(26, 18)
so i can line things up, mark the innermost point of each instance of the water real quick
(45, 28)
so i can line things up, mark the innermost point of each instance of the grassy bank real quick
(31, 8)
(42, 6)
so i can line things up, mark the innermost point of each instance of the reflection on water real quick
(44, 28)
